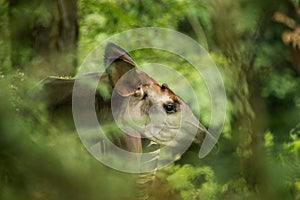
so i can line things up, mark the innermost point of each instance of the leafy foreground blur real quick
(256, 47)
(40, 161)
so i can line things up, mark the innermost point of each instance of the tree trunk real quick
(44, 35)
(248, 107)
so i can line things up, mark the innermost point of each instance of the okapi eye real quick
(169, 108)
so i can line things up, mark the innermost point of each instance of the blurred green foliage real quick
(40, 159)
(4, 37)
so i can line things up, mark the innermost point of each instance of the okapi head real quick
(142, 108)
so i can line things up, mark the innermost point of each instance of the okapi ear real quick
(58, 91)
(117, 62)
(122, 71)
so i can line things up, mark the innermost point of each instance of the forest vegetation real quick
(256, 46)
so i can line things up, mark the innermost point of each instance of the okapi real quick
(151, 112)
